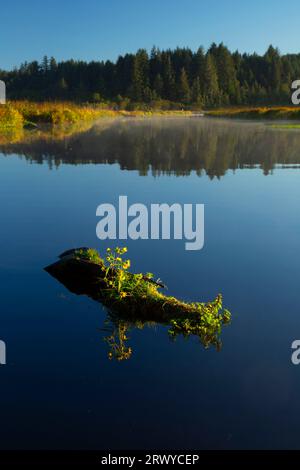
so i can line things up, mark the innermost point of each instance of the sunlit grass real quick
(10, 117)
(286, 126)
(58, 113)
(17, 114)
(277, 112)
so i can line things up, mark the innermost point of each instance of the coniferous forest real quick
(216, 77)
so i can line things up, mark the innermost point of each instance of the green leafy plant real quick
(137, 297)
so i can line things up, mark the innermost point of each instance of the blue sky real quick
(104, 29)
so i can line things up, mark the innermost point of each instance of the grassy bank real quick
(19, 114)
(278, 112)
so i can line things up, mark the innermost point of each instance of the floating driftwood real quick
(136, 297)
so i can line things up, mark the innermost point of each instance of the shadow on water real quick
(164, 146)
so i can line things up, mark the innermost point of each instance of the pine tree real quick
(62, 88)
(52, 64)
(196, 92)
(272, 58)
(169, 79)
(211, 85)
(199, 66)
(140, 76)
(45, 64)
(227, 71)
(158, 86)
(184, 92)
(217, 77)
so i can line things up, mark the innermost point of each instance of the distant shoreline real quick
(287, 113)
(30, 115)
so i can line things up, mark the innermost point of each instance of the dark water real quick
(58, 389)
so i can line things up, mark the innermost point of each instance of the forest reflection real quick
(165, 146)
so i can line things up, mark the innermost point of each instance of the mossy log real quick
(84, 276)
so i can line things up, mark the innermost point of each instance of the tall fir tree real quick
(211, 84)
(184, 92)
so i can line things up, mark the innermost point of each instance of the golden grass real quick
(276, 112)
(10, 117)
(17, 114)
(58, 113)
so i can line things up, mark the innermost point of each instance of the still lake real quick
(59, 390)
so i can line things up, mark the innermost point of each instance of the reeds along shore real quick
(277, 112)
(19, 114)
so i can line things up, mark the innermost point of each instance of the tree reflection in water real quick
(164, 145)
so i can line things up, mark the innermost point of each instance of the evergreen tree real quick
(140, 76)
(217, 77)
(169, 78)
(52, 64)
(226, 71)
(62, 88)
(196, 92)
(199, 66)
(272, 58)
(184, 92)
(210, 85)
(45, 64)
(158, 86)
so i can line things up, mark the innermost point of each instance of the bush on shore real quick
(10, 117)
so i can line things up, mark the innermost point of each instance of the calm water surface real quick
(58, 389)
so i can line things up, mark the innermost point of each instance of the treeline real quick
(211, 78)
